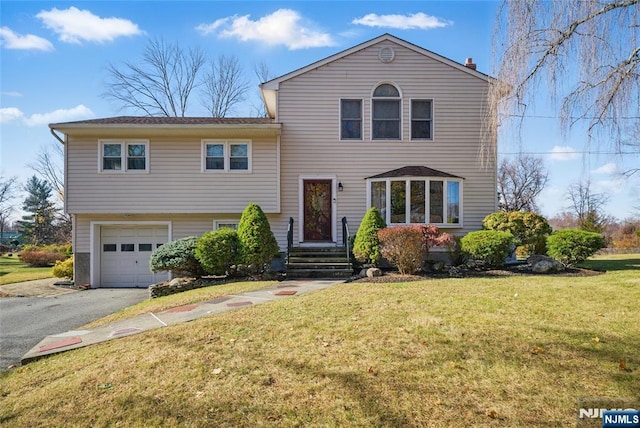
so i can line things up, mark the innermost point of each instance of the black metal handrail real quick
(346, 239)
(289, 238)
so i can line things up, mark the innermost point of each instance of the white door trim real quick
(334, 205)
(94, 242)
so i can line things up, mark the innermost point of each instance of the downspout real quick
(53, 132)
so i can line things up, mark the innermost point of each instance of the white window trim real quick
(407, 181)
(217, 223)
(361, 119)
(432, 118)
(227, 157)
(123, 157)
(372, 99)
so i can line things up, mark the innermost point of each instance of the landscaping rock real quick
(456, 272)
(363, 273)
(373, 272)
(544, 264)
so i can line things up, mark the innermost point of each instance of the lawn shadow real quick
(612, 265)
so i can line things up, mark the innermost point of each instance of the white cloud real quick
(11, 40)
(9, 114)
(75, 26)
(606, 169)
(12, 94)
(417, 21)
(563, 153)
(60, 115)
(616, 185)
(282, 27)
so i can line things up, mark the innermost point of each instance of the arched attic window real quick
(386, 101)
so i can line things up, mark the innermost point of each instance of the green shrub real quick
(403, 246)
(218, 250)
(488, 248)
(529, 229)
(571, 246)
(37, 258)
(63, 269)
(177, 257)
(366, 245)
(258, 246)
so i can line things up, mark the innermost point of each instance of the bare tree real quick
(7, 195)
(588, 206)
(263, 73)
(223, 86)
(162, 84)
(586, 53)
(520, 181)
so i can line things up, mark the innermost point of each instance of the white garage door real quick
(125, 254)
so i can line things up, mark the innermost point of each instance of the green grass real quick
(12, 270)
(517, 351)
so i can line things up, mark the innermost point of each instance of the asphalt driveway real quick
(25, 321)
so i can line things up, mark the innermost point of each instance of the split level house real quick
(383, 124)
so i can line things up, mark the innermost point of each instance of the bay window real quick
(435, 200)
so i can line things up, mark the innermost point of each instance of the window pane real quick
(136, 163)
(386, 90)
(109, 248)
(113, 164)
(351, 109)
(127, 247)
(386, 109)
(420, 109)
(417, 202)
(233, 226)
(398, 202)
(453, 202)
(239, 150)
(215, 163)
(239, 164)
(145, 247)
(435, 201)
(112, 150)
(386, 129)
(379, 197)
(351, 129)
(216, 150)
(420, 129)
(135, 150)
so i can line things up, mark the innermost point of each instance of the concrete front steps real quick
(319, 262)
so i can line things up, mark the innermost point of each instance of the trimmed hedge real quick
(488, 248)
(178, 257)
(529, 229)
(218, 250)
(258, 246)
(571, 246)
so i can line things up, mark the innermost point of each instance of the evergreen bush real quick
(218, 251)
(366, 245)
(571, 246)
(488, 248)
(177, 257)
(63, 269)
(258, 246)
(529, 230)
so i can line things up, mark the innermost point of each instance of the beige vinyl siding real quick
(308, 106)
(175, 182)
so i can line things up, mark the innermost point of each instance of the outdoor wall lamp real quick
(340, 186)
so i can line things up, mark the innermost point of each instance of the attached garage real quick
(125, 252)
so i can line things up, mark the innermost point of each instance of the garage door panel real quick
(125, 255)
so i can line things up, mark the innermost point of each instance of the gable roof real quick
(414, 171)
(274, 83)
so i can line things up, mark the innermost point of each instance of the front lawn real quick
(12, 270)
(517, 351)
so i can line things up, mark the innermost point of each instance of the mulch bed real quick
(516, 270)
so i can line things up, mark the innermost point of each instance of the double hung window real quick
(226, 156)
(386, 121)
(124, 156)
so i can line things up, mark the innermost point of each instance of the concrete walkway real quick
(79, 338)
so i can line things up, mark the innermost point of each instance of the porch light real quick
(340, 186)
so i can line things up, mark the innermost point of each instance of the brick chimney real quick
(469, 63)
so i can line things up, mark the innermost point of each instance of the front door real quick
(318, 219)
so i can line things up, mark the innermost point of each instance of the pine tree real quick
(257, 243)
(38, 226)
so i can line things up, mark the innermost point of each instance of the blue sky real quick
(54, 57)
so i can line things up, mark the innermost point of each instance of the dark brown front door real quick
(317, 210)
